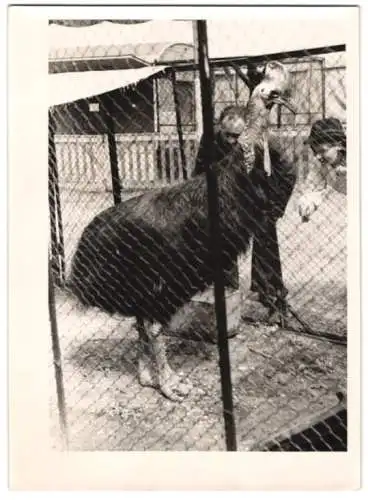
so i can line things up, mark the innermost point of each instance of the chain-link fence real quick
(150, 258)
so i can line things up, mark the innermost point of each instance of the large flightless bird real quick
(148, 256)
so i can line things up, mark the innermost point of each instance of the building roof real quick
(69, 87)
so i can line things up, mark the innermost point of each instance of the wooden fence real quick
(145, 161)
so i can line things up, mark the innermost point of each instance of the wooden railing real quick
(146, 161)
(154, 160)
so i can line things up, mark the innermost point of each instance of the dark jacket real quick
(274, 192)
(219, 151)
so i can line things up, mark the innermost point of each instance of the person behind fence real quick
(230, 126)
(274, 178)
(327, 140)
(274, 191)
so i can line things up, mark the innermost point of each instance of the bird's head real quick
(274, 86)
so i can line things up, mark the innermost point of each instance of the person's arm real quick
(314, 190)
(283, 180)
(316, 179)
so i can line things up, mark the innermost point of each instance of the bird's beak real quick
(282, 101)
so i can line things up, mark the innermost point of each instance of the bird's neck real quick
(256, 120)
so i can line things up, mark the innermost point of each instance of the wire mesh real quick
(281, 377)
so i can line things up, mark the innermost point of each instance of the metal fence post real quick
(57, 361)
(113, 154)
(179, 124)
(216, 239)
(323, 83)
(56, 225)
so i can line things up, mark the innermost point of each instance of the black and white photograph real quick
(199, 230)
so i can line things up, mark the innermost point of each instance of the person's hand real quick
(341, 170)
(308, 203)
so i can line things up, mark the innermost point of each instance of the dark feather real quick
(149, 255)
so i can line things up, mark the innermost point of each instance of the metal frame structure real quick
(216, 238)
(244, 61)
(57, 265)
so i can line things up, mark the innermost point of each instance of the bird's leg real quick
(169, 382)
(146, 369)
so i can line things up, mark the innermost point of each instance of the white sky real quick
(257, 35)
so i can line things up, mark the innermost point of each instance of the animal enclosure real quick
(137, 139)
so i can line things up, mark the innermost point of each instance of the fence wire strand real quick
(280, 381)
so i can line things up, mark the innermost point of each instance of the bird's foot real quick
(145, 376)
(172, 386)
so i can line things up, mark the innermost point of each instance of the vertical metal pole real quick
(310, 81)
(236, 88)
(61, 252)
(57, 362)
(158, 104)
(52, 205)
(229, 77)
(323, 83)
(155, 105)
(113, 154)
(216, 238)
(57, 233)
(197, 86)
(159, 165)
(179, 124)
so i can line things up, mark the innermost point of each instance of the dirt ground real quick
(280, 379)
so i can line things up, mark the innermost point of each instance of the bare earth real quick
(279, 379)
